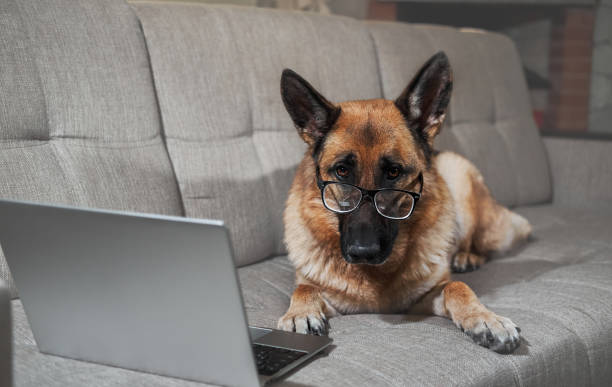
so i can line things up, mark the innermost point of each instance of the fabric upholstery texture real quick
(490, 119)
(78, 118)
(232, 143)
(556, 288)
(581, 172)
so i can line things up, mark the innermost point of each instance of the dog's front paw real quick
(495, 332)
(312, 322)
(464, 262)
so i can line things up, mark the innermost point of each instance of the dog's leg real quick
(461, 178)
(465, 259)
(484, 227)
(307, 312)
(456, 301)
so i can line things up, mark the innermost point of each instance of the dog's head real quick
(371, 144)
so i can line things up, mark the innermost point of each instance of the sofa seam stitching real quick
(162, 127)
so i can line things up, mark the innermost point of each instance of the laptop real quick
(151, 293)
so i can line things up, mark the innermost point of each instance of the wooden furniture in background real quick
(571, 51)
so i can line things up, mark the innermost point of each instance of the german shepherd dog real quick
(376, 218)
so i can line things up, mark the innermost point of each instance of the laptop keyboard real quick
(272, 359)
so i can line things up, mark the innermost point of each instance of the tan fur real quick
(456, 217)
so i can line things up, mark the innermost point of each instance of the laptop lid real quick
(151, 293)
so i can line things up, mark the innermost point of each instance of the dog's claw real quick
(494, 332)
(308, 323)
(466, 262)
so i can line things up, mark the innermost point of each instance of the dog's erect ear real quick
(423, 103)
(312, 114)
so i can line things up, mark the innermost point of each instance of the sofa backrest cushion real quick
(217, 74)
(79, 122)
(490, 119)
(78, 118)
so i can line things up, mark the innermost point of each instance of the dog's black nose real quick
(363, 253)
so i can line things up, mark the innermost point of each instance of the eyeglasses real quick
(343, 198)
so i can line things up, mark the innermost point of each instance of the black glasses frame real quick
(371, 193)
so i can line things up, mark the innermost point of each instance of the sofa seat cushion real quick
(557, 289)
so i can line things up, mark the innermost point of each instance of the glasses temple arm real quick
(420, 183)
(319, 181)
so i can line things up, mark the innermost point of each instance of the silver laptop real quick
(151, 293)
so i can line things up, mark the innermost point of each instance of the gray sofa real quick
(175, 109)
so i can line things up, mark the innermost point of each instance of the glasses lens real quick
(394, 204)
(341, 197)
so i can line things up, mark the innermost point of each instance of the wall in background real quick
(600, 107)
(533, 44)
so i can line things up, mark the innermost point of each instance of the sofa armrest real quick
(581, 169)
(6, 342)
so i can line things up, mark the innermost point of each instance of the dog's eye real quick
(342, 172)
(393, 173)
